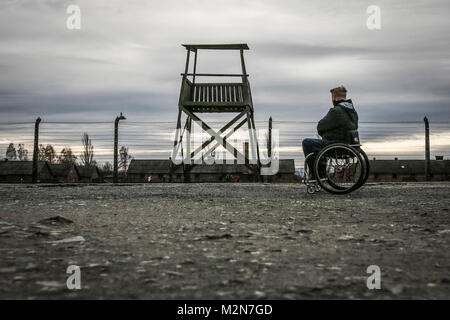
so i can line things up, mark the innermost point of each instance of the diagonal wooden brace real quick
(214, 134)
(229, 134)
(228, 125)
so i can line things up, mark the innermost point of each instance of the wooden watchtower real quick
(215, 97)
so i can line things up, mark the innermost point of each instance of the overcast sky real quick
(127, 57)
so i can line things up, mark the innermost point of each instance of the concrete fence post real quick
(116, 139)
(246, 153)
(427, 149)
(269, 143)
(34, 172)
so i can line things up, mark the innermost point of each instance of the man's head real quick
(338, 93)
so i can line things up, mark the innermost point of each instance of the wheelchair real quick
(339, 168)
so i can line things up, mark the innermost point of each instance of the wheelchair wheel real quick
(367, 164)
(340, 168)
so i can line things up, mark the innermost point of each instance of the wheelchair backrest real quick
(353, 137)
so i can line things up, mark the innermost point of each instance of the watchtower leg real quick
(188, 139)
(176, 142)
(256, 139)
(253, 146)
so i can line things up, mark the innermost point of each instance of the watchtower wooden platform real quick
(215, 97)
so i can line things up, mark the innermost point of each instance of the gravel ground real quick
(224, 241)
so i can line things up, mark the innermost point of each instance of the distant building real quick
(220, 173)
(65, 173)
(165, 171)
(408, 170)
(154, 171)
(89, 174)
(21, 172)
(286, 172)
(107, 177)
(440, 170)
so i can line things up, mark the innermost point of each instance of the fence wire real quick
(154, 140)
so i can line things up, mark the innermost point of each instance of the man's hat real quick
(340, 93)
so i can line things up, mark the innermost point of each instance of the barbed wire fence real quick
(154, 139)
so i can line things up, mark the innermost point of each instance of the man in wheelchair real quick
(334, 127)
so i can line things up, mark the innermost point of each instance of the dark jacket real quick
(338, 121)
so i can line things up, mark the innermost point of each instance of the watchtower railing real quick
(215, 93)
